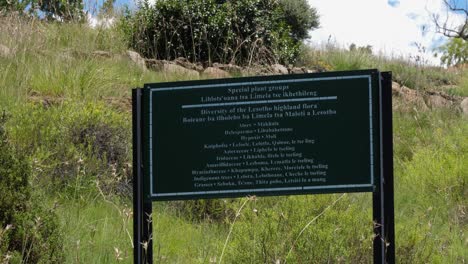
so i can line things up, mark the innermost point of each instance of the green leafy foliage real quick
(14, 5)
(66, 124)
(62, 10)
(75, 145)
(66, 10)
(241, 32)
(107, 8)
(29, 233)
(454, 52)
(300, 16)
(13, 181)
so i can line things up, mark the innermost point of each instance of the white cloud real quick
(391, 29)
(95, 22)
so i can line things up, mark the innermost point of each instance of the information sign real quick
(273, 135)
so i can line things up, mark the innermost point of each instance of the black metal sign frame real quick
(383, 208)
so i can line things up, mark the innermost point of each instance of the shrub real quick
(241, 32)
(13, 6)
(28, 232)
(75, 144)
(105, 146)
(13, 181)
(65, 10)
(61, 10)
(454, 52)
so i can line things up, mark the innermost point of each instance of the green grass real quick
(430, 187)
(100, 231)
(96, 231)
(409, 73)
(56, 60)
(54, 90)
(462, 88)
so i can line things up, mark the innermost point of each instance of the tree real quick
(444, 26)
(455, 52)
(64, 10)
(14, 5)
(300, 16)
(107, 9)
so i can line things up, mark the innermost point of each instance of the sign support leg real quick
(142, 224)
(148, 232)
(383, 198)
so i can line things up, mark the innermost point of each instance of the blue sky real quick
(392, 27)
(457, 3)
(393, 3)
(93, 5)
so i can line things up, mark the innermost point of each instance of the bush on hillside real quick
(454, 52)
(61, 10)
(28, 232)
(75, 144)
(104, 144)
(65, 10)
(13, 6)
(241, 32)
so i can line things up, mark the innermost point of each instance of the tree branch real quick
(449, 30)
(455, 8)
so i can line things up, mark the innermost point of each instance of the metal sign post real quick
(142, 209)
(276, 135)
(383, 197)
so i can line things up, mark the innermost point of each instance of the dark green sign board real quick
(296, 134)
(275, 135)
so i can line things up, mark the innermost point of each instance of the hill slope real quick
(67, 110)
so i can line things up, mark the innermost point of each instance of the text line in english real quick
(295, 100)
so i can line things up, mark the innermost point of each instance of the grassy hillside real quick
(67, 112)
